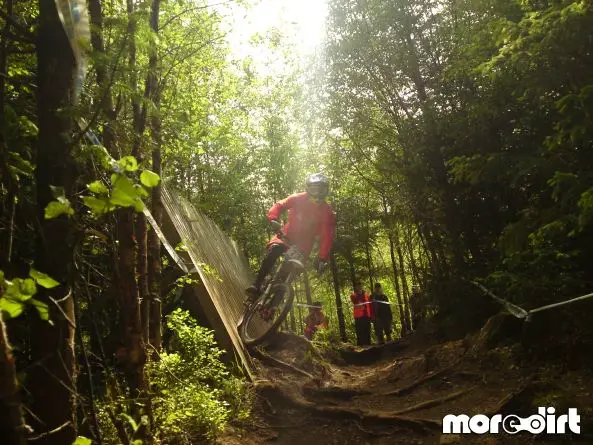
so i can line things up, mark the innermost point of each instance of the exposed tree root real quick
(373, 433)
(274, 427)
(334, 391)
(371, 354)
(434, 402)
(291, 397)
(507, 403)
(422, 380)
(283, 340)
(276, 362)
(469, 374)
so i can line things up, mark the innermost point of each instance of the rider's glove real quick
(275, 225)
(320, 266)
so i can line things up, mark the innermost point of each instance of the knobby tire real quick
(250, 343)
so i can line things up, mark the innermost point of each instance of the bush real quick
(326, 340)
(194, 393)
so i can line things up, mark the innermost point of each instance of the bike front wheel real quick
(266, 314)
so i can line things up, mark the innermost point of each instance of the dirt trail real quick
(399, 393)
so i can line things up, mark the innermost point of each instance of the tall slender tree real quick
(53, 377)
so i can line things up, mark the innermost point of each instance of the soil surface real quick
(398, 393)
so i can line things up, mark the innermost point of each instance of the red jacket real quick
(307, 219)
(361, 309)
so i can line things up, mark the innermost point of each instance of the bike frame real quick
(290, 267)
(286, 272)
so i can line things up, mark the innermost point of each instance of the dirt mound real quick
(298, 352)
(364, 356)
(501, 329)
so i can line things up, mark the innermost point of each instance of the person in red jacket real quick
(309, 217)
(315, 320)
(363, 314)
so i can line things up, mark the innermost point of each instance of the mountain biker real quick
(309, 217)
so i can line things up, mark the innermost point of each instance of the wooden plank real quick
(222, 270)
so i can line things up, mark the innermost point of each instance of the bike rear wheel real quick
(266, 314)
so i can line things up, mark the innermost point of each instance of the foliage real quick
(17, 293)
(195, 395)
(325, 339)
(469, 119)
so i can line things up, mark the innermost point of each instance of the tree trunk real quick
(133, 355)
(143, 291)
(7, 237)
(405, 327)
(52, 381)
(433, 260)
(367, 249)
(298, 291)
(339, 310)
(402, 316)
(152, 92)
(138, 116)
(351, 268)
(292, 321)
(402, 272)
(410, 252)
(12, 422)
(105, 96)
(307, 287)
(154, 243)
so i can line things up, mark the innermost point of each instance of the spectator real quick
(416, 306)
(315, 320)
(362, 314)
(383, 314)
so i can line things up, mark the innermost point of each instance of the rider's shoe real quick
(252, 293)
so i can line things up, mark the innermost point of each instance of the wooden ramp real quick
(222, 269)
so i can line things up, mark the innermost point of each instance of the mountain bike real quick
(265, 314)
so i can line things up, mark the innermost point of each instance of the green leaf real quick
(57, 192)
(98, 206)
(11, 307)
(27, 288)
(42, 309)
(97, 187)
(43, 280)
(81, 440)
(128, 164)
(124, 193)
(58, 208)
(18, 166)
(103, 156)
(138, 206)
(28, 126)
(141, 191)
(2, 280)
(149, 179)
(13, 289)
(586, 208)
(131, 421)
